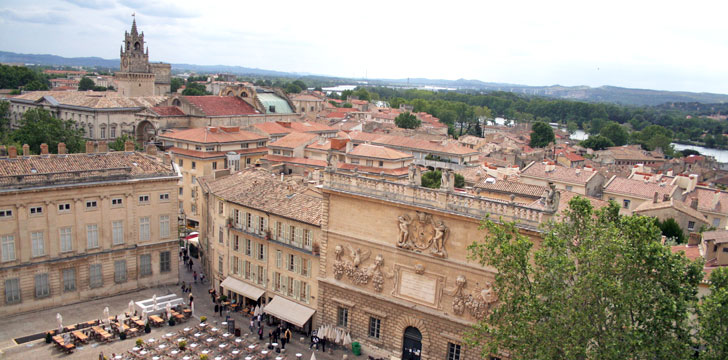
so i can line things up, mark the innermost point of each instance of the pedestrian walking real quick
(192, 298)
(288, 335)
(252, 325)
(323, 344)
(202, 278)
(260, 332)
(195, 276)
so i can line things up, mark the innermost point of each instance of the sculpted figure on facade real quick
(339, 264)
(444, 179)
(552, 196)
(478, 303)
(458, 301)
(411, 172)
(403, 239)
(377, 274)
(423, 233)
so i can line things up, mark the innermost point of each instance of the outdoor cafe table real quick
(235, 352)
(161, 346)
(227, 335)
(143, 352)
(210, 340)
(186, 358)
(194, 345)
(222, 346)
(264, 353)
(205, 352)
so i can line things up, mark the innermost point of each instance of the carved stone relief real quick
(478, 303)
(422, 233)
(354, 271)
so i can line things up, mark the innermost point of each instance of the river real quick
(719, 155)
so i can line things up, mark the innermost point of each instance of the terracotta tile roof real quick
(216, 154)
(572, 156)
(638, 188)
(359, 102)
(272, 128)
(310, 127)
(378, 152)
(374, 170)
(213, 105)
(260, 189)
(566, 196)
(677, 205)
(37, 168)
(719, 236)
(707, 199)
(560, 173)
(295, 160)
(294, 140)
(513, 187)
(336, 115)
(691, 252)
(628, 152)
(212, 135)
(167, 111)
(451, 147)
(94, 100)
(304, 97)
(328, 144)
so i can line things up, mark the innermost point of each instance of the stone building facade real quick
(81, 226)
(407, 288)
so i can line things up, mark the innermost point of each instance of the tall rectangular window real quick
(248, 247)
(42, 288)
(374, 326)
(69, 279)
(261, 274)
(117, 232)
(38, 243)
(8, 247)
(145, 264)
(307, 238)
(342, 317)
(453, 351)
(220, 235)
(164, 226)
(120, 271)
(94, 276)
(144, 233)
(92, 236)
(165, 261)
(219, 263)
(261, 252)
(64, 235)
(236, 243)
(12, 291)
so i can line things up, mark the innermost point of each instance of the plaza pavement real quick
(41, 321)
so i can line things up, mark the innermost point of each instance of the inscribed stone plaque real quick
(420, 288)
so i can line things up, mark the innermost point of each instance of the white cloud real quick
(648, 44)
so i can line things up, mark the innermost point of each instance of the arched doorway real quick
(411, 344)
(145, 132)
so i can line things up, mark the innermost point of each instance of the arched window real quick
(176, 102)
(137, 46)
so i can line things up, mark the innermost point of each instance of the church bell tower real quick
(134, 58)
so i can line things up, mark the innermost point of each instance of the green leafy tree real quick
(38, 126)
(86, 84)
(713, 315)
(347, 105)
(345, 94)
(36, 85)
(597, 142)
(362, 94)
(4, 118)
(292, 88)
(302, 85)
(175, 84)
(596, 125)
(194, 89)
(615, 132)
(407, 120)
(431, 179)
(459, 181)
(541, 135)
(571, 127)
(599, 286)
(671, 229)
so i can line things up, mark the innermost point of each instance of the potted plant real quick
(223, 298)
(139, 342)
(147, 328)
(315, 249)
(171, 322)
(182, 345)
(203, 357)
(122, 336)
(49, 337)
(203, 319)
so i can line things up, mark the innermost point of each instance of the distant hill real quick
(612, 94)
(54, 60)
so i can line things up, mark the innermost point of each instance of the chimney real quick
(129, 146)
(26, 150)
(89, 147)
(665, 197)
(221, 173)
(61, 148)
(656, 197)
(349, 147)
(12, 152)
(694, 203)
(103, 147)
(151, 149)
(694, 239)
(44, 149)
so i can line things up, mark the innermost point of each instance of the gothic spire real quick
(133, 25)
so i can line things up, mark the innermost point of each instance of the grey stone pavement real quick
(40, 321)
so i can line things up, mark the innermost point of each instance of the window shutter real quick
(284, 284)
(265, 279)
(245, 220)
(296, 289)
(275, 231)
(245, 267)
(279, 258)
(286, 234)
(299, 236)
(265, 252)
(308, 266)
(297, 265)
(308, 292)
(265, 225)
(254, 273)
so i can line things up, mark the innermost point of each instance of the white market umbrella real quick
(168, 307)
(131, 307)
(106, 316)
(154, 300)
(59, 318)
(144, 315)
(347, 339)
(122, 318)
(313, 356)
(257, 310)
(192, 308)
(338, 336)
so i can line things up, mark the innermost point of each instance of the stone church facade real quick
(407, 288)
(136, 76)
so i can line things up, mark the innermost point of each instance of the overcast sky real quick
(670, 45)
